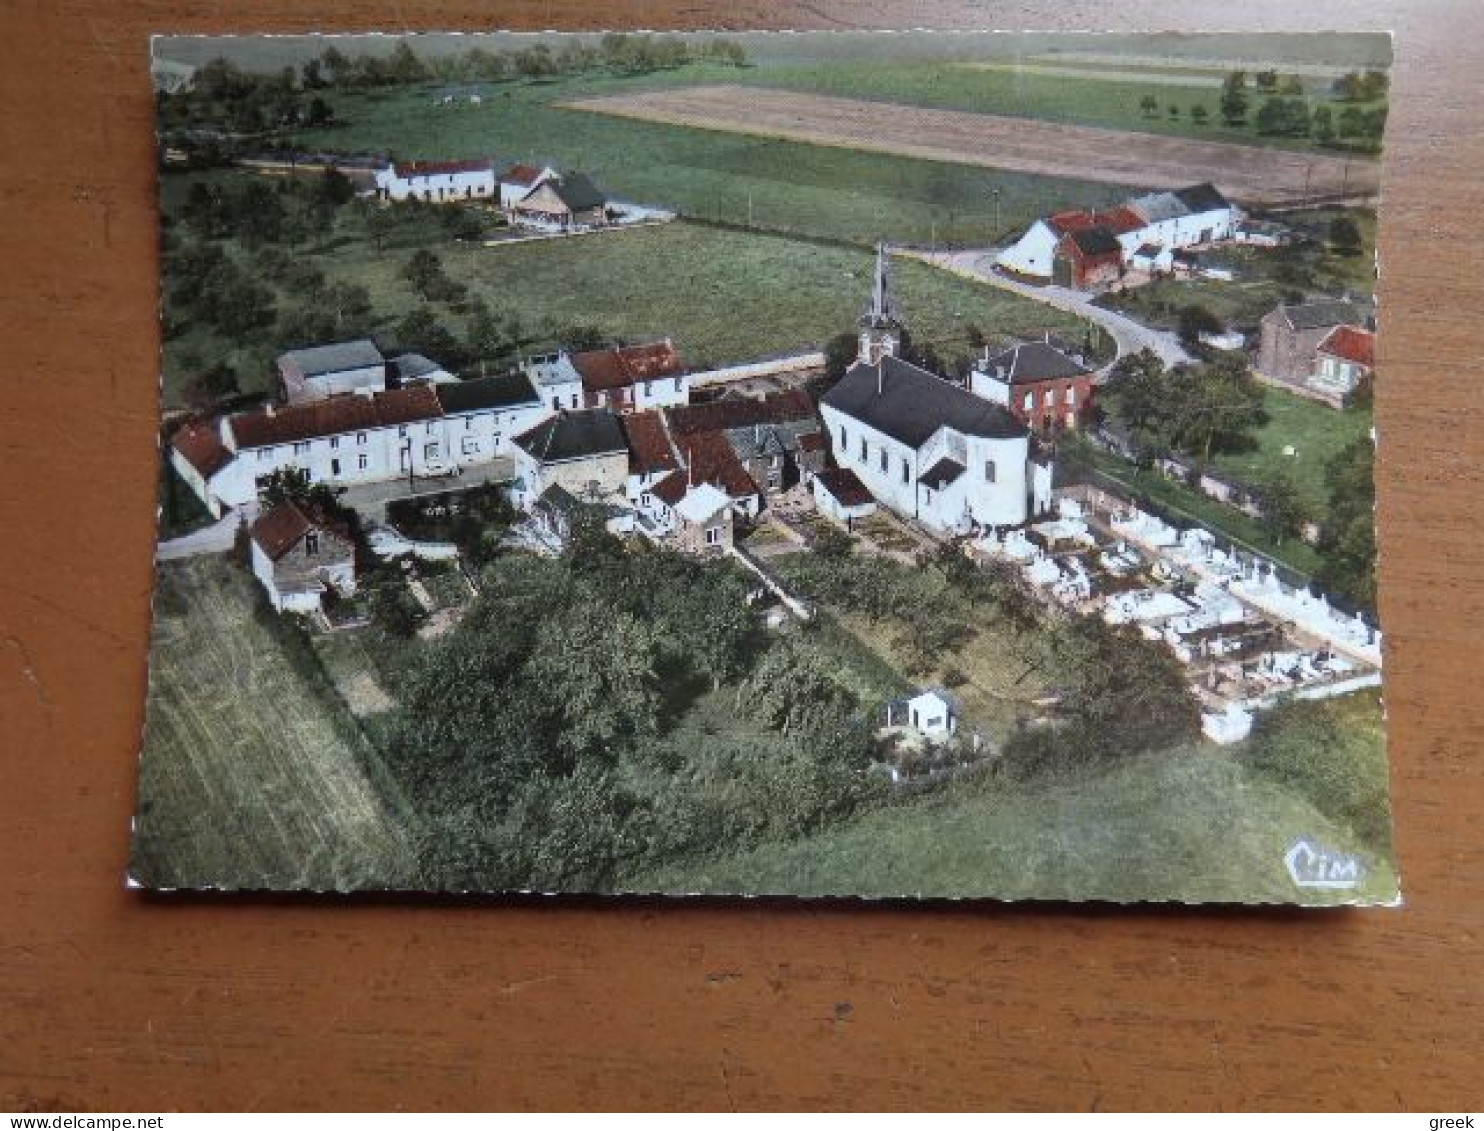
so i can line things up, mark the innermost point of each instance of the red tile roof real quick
(812, 442)
(1352, 344)
(1119, 220)
(845, 486)
(709, 458)
(621, 366)
(526, 175)
(406, 169)
(278, 531)
(741, 412)
(649, 447)
(200, 443)
(349, 412)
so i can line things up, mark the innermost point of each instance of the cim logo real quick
(1313, 865)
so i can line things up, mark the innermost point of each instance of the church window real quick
(989, 471)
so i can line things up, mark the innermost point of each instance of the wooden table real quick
(110, 1000)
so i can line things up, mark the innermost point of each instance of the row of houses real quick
(1091, 248)
(536, 194)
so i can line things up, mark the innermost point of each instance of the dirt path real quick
(1248, 174)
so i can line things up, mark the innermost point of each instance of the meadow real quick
(252, 775)
(1196, 824)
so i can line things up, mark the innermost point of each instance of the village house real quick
(337, 367)
(633, 378)
(565, 201)
(482, 416)
(924, 447)
(1043, 387)
(1289, 337)
(652, 458)
(199, 455)
(1342, 362)
(518, 181)
(768, 444)
(436, 181)
(703, 521)
(584, 452)
(1074, 248)
(299, 556)
(839, 494)
(556, 379)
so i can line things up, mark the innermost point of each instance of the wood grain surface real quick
(110, 1000)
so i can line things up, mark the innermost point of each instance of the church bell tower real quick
(881, 325)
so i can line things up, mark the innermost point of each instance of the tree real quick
(1234, 98)
(1284, 117)
(404, 66)
(1344, 236)
(423, 270)
(1149, 105)
(1196, 320)
(1347, 537)
(1136, 397)
(256, 213)
(293, 484)
(420, 330)
(1213, 406)
(1174, 110)
(1199, 114)
(1285, 511)
(840, 353)
(1324, 125)
(1266, 81)
(211, 386)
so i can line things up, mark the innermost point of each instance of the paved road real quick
(1130, 336)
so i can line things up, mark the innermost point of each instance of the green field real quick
(1195, 824)
(251, 776)
(723, 296)
(1316, 433)
(777, 185)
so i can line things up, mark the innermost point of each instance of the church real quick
(924, 447)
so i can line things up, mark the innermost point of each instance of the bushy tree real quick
(1347, 542)
(1234, 101)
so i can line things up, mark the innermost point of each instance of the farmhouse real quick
(437, 181)
(924, 447)
(839, 493)
(1072, 248)
(584, 452)
(1345, 358)
(300, 555)
(338, 367)
(1043, 387)
(633, 378)
(518, 180)
(564, 201)
(199, 455)
(1289, 337)
(482, 416)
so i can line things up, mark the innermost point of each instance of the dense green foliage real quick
(1195, 409)
(547, 739)
(1348, 534)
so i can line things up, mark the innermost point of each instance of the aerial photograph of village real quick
(891, 465)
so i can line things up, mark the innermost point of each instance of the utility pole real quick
(749, 208)
(995, 192)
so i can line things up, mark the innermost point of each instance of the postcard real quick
(885, 465)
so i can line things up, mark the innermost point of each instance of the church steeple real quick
(881, 325)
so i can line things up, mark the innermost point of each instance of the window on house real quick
(265, 454)
(989, 471)
(928, 495)
(677, 384)
(884, 458)
(1030, 402)
(334, 442)
(468, 423)
(311, 543)
(471, 446)
(430, 451)
(301, 447)
(1070, 396)
(906, 471)
(334, 467)
(713, 536)
(428, 428)
(556, 404)
(362, 461)
(844, 439)
(402, 430)
(863, 448)
(645, 498)
(360, 437)
(574, 400)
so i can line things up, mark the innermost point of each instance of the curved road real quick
(1130, 336)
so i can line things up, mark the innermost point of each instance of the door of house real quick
(406, 459)
(334, 467)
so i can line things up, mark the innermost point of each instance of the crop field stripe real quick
(995, 141)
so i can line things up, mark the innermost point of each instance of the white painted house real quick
(933, 712)
(437, 181)
(924, 447)
(518, 181)
(555, 378)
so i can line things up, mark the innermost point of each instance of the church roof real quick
(910, 404)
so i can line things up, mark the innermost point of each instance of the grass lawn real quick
(782, 185)
(1194, 825)
(250, 776)
(722, 295)
(1315, 431)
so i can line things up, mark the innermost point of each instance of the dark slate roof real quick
(577, 192)
(334, 358)
(574, 435)
(845, 486)
(1204, 197)
(504, 391)
(942, 473)
(1096, 241)
(913, 404)
(411, 366)
(1034, 361)
(1316, 315)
